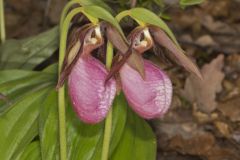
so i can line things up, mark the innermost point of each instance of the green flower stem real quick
(63, 34)
(64, 26)
(66, 9)
(2, 22)
(62, 124)
(69, 5)
(122, 14)
(107, 135)
(109, 55)
(108, 122)
(125, 13)
(61, 92)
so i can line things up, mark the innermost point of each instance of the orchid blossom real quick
(147, 88)
(90, 96)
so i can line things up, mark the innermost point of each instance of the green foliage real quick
(99, 3)
(31, 152)
(16, 84)
(27, 53)
(185, 3)
(102, 14)
(19, 125)
(34, 115)
(138, 141)
(48, 127)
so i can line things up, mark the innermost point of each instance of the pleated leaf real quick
(48, 127)
(19, 125)
(35, 115)
(103, 14)
(31, 152)
(138, 140)
(28, 53)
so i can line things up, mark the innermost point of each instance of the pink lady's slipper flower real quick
(147, 88)
(90, 96)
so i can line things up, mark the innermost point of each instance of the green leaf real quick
(82, 138)
(19, 125)
(7, 75)
(31, 152)
(138, 141)
(16, 84)
(48, 127)
(119, 120)
(101, 13)
(132, 138)
(99, 3)
(53, 68)
(85, 141)
(28, 53)
(149, 17)
(185, 3)
(26, 91)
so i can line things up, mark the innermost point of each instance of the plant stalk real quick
(62, 124)
(108, 122)
(64, 25)
(107, 135)
(2, 22)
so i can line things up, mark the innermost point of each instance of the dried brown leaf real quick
(204, 91)
(231, 108)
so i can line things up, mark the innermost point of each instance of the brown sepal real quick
(131, 56)
(161, 38)
(116, 38)
(118, 64)
(69, 62)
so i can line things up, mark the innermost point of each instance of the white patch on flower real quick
(163, 93)
(106, 94)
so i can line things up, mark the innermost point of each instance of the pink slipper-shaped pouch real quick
(90, 96)
(150, 97)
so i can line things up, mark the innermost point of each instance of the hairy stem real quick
(62, 124)
(61, 93)
(64, 26)
(2, 22)
(68, 7)
(108, 122)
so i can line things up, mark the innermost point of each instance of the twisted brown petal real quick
(127, 52)
(162, 39)
(116, 39)
(77, 45)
